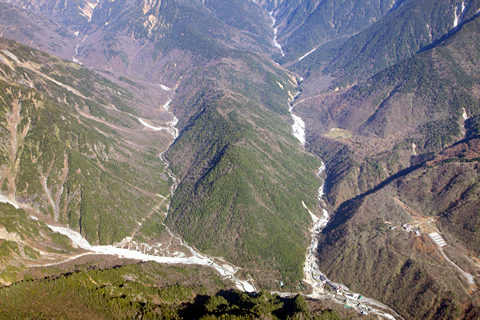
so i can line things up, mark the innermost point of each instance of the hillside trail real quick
(435, 235)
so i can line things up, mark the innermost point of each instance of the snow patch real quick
(165, 88)
(308, 53)
(150, 126)
(311, 270)
(321, 189)
(77, 239)
(429, 31)
(5, 61)
(11, 55)
(5, 199)
(275, 30)
(174, 122)
(225, 270)
(76, 54)
(455, 19)
(167, 104)
(87, 10)
(298, 128)
(458, 18)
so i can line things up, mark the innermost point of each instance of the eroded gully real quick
(311, 272)
(130, 249)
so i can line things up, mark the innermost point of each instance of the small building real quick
(354, 296)
(332, 286)
(407, 227)
(323, 278)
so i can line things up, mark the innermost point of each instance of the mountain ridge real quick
(386, 93)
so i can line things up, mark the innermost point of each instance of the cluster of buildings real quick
(408, 228)
(349, 299)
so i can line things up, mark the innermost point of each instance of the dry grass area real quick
(339, 134)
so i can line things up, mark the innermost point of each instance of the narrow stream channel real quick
(311, 272)
(129, 249)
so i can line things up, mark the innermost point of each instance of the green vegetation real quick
(18, 223)
(26, 237)
(244, 176)
(77, 170)
(312, 24)
(427, 93)
(410, 264)
(417, 106)
(417, 25)
(149, 291)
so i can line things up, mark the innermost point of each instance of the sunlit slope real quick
(25, 242)
(402, 147)
(404, 31)
(71, 147)
(243, 175)
(306, 25)
(400, 116)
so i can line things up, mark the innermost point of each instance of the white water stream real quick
(307, 54)
(275, 30)
(311, 272)
(225, 270)
(131, 250)
(458, 18)
(298, 127)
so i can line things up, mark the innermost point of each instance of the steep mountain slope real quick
(244, 177)
(412, 273)
(26, 242)
(232, 107)
(400, 144)
(409, 28)
(77, 156)
(76, 14)
(141, 38)
(149, 291)
(378, 138)
(413, 108)
(305, 25)
(44, 34)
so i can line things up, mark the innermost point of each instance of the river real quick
(311, 272)
(130, 249)
(145, 252)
